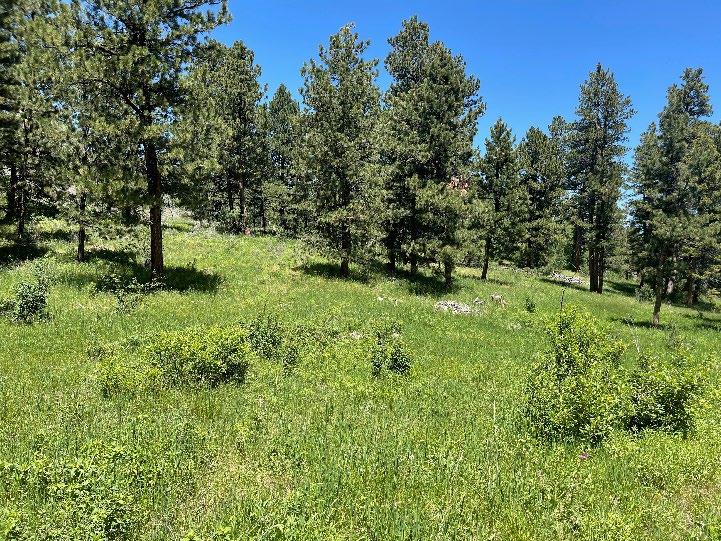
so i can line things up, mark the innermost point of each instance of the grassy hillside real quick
(322, 449)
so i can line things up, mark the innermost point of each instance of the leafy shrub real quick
(663, 392)
(578, 389)
(120, 371)
(645, 293)
(389, 351)
(530, 305)
(202, 355)
(266, 335)
(127, 291)
(29, 301)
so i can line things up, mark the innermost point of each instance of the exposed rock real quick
(455, 307)
(567, 279)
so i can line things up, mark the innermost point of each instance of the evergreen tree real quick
(343, 104)
(542, 185)
(433, 107)
(596, 142)
(285, 190)
(677, 180)
(133, 56)
(498, 186)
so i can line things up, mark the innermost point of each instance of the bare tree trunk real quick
(690, 290)
(592, 269)
(601, 270)
(155, 194)
(229, 194)
(486, 257)
(448, 273)
(21, 210)
(82, 204)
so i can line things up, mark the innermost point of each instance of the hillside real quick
(320, 448)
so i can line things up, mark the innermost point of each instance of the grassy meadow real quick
(322, 449)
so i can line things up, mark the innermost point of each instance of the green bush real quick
(29, 301)
(577, 390)
(530, 305)
(389, 351)
(120, 371)
(663, 392)
(202, 355)
(645, 293)
(266, 334)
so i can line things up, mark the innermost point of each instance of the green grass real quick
(324, 450)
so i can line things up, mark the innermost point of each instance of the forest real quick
(113, 113)
(230, 314)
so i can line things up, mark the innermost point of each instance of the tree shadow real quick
(119, 257)
(627, 289)
(332, 271)
(577, 287)
(494, 281)
(641, 324)
(21, 251)
(189, 278)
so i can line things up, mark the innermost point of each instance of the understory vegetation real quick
(256, 395)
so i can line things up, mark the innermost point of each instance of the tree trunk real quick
(601, 269)
(155, 195)
(11, 210)
(414, 264)
(448, 273)
(577, 247)
(486, 258)
(345, 257)
(82, 204)
(690, 290)
(21, 210)
(592, 269)
(659, 291)
(243, 209)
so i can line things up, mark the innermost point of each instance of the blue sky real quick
(530, 56)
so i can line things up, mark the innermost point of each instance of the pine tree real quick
(133, 56)
(499, 187)
(596, 142)
(284, 182)
(677, 180)
(343, 104)
(430, 123)
(542, 183)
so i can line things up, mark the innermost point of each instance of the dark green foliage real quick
(389, 351)
(596, 143)
(343, 104)
(266, 334)
(433, 106)
(530, 305)
(30, 302)
(644, 293)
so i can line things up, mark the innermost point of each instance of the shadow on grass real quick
(494, 281)
(191, 279)
(627, 289)
(577, 287)
(331, 270)
(421, 284)
(643, 324)
(21, 251)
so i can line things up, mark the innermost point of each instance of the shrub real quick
(389, 351)
(266, 334)
(120, 371)
(577, 390)
(126, 289)
(29, 301)
(530, 305)
(202, 355)
(663, 392)
(645, 293)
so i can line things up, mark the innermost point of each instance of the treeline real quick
(113, 109)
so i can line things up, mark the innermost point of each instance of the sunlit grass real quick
(324, 450)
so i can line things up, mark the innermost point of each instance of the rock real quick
(455, 307)
(575, 280)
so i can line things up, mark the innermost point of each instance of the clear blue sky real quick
(530, 56)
